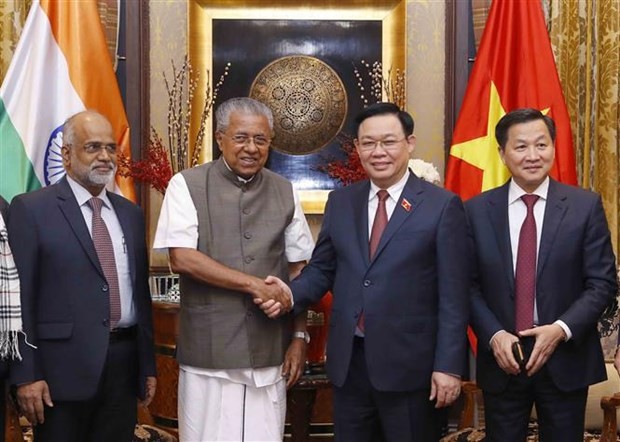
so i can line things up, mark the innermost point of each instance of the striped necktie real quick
(105, 253)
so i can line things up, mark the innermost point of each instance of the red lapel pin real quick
(406, 204)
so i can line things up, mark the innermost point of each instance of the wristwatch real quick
(302, 335)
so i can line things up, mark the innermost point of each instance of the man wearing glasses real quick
(394, 251)
(227, 225)
(87, 347)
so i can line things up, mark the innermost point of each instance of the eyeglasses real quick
(388, 144)
(244, 140)
(95, 147)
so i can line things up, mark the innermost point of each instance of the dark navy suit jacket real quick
(65, 304)
(414, 292)
(576, 280)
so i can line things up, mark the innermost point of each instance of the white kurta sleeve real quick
(297, 236)
(178, 221)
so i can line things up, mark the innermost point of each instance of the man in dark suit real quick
(545, 273)
(396, 346)
(81, 254)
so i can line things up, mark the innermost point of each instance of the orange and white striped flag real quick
(61, 66)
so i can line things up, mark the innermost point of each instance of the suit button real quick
(106, 322)
(367, 283)
(104, 288)
(248, 259)
(247, 235)
(246, 211)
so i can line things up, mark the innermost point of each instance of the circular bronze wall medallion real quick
(308, 101)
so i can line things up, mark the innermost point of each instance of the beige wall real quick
(168, 42)
(426, 77)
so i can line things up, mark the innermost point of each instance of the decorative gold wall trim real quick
(392, 13)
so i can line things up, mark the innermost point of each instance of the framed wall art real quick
(300, 59)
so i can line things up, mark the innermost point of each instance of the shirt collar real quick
(394, 190)
(82, 195)
(515, 192)
(243, 180)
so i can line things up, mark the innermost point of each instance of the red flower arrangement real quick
(153, 169)
(348, 170)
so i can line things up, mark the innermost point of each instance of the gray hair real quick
(242, 105)
(69, 126)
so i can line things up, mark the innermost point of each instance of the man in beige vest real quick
(227, 225)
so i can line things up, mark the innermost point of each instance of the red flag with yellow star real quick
(514, 68)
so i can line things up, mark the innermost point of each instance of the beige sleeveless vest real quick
(240, 225)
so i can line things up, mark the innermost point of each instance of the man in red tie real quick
(394, 251)
(544, 275)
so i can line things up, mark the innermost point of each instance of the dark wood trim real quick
(137, 53)
(457, 66)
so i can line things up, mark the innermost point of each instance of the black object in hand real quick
(517, 351)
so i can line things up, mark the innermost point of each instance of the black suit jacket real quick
(576, 280)
(65, 304)
(414, 292)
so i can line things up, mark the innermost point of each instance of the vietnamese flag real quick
(514, 68)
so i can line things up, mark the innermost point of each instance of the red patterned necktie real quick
(381, 220)
(378, 226)
(105, 252)
(525, 274)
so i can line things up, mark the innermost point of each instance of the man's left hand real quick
(150, 388)
(294, 361)
(547, 339)
(445, 388)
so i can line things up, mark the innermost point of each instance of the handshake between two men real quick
(274, 298)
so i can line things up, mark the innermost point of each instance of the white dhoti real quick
(216, 408)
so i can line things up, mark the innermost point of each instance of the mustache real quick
(103, 164)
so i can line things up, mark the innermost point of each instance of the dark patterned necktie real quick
(378, 226)
(105, 253)
(525, 274)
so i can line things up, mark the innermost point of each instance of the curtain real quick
(585, 36)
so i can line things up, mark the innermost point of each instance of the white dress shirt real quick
(390, 204)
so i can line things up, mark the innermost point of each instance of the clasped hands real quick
(547, 338)
(274, 298)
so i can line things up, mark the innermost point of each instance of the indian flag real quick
(61, 66)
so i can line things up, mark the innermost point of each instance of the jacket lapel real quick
(360, 212)
(498, 213)
(555, 210)
(72, 212)
(128, 240)
(411, 197)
